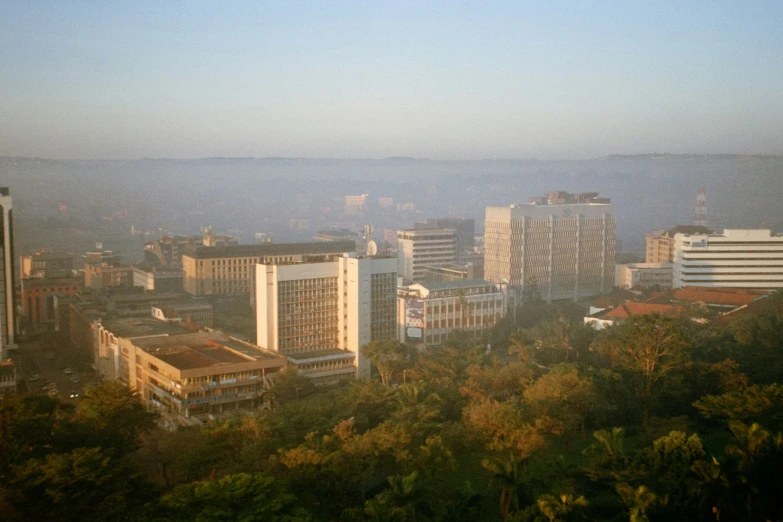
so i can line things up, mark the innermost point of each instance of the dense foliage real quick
(655, 419)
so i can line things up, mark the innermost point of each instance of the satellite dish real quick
(372, 248)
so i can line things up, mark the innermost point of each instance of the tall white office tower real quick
(561, 245)
(7, 302)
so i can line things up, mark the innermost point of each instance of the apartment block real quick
(659, 245)
(320, 314)
(418, 249)
(565, 250)
(230, 270)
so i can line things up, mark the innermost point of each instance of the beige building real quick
(427, 313)
(230, 270)
(644, 274)
(565, 250)
(659, 245)
(8, 312)
(183, 373)
(418, 249)
(320, 314)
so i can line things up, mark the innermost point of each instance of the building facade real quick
(427, 313)
(644, 275)
(8, 324)
(231, 270)
(321, 314)
(565, 250)
(464, 228)
(40, 297)
(739, 258)
(659, 245)
(418, 249)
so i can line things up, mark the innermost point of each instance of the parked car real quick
(34, 377)
(68, 371)
(75, 380)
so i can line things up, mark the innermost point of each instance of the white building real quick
(8, 314)
(419, 248)
(429, 312)
(644, 274)
(565, 250)
(320, 314)
(740, 258)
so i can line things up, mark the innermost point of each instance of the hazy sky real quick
(374, 79)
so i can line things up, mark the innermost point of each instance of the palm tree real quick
(509, 476)
(558, 508)
(638, 500)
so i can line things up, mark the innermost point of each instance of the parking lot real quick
(44, 365)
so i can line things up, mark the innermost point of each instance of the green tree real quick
(564, 395)
(650, 348)
(560, 508)
(242, 497)
(85, 484)
(638, 500)
(388, 356)
(114, 417)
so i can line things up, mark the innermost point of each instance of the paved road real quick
(49, 361)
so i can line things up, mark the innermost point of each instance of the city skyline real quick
(561, 81)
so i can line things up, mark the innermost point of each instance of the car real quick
(74, 395)
(75, 380)
(34, 377)
(50, 355)
(68, 371)
(53, 392)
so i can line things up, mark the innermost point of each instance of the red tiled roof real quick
(724, 296)
(630, 308)
(613, 299)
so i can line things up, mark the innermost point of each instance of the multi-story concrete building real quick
(644, 275)
(356, 204)
(739, 258)
(231, 270)
(464, 228)
(40, 297)
(320, 314)
(184, 373)
(566, 249)
(418, 249)
(47, 264)
(158, 279)
(167, 252)
(427, 313)
(659, 245)
(8, 315)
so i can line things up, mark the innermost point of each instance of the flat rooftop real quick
(456, 285)
(316, 354)
(130, 327)
(204, 350)
(272, 249)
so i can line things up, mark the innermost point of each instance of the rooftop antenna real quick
(700, 213)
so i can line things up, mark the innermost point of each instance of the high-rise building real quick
(418, 249)
(230, 270)
(565, 250)
(320, 314)
(739, 258)
(7, 302)
(465, 229)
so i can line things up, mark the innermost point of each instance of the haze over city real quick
(391, 262)
(557, 80)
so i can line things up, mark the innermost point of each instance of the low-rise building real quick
(633, 275)
(8, 377)
(429, 312)
(158, 279)
(200, 374)
(616, 315)
(418, 249)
